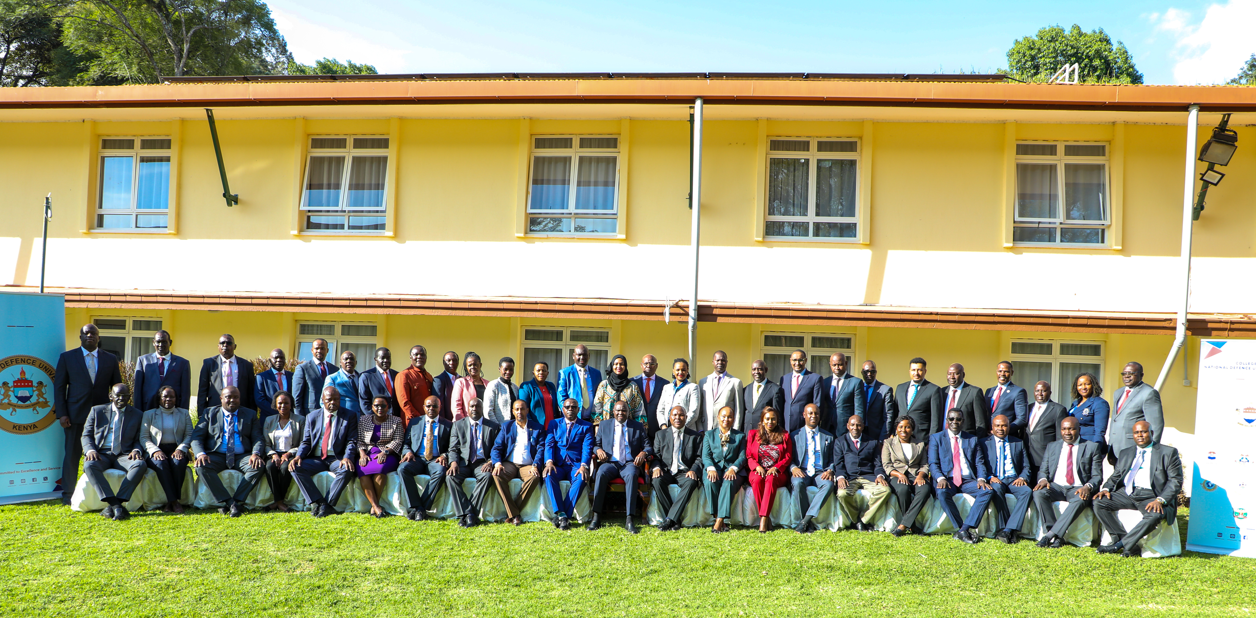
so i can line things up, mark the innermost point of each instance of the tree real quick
(31, 51)
(1246, 77)
(1037, 58)
(331, 66)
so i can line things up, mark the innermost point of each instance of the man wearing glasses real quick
(219, 372)
(568, 453)
(1136, 401)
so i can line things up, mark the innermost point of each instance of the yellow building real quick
(964, 221)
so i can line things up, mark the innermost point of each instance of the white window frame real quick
(564, 347)
(335, 340)
(813, 155)
(813, 352)
(1062, 222)
(1061, 386)
(135, 152)
(133, 349)
(571, 212)
(343, 210)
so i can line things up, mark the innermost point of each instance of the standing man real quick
(858, 466)
(414, 386)
(470, 445)
(229, 437)
(568, 456)
(161, 368)
(840, 398)
(879, 407)
(329, 445)
(425, 451)
(1009, 473)
(1008, 399)
(308, 379)
(444, 384)
(519, 448)
(958, 464)
(621, 452)
(801, 388)
(272, 381)
(540, 395)
(812, 466)
(968, 398)
(1040, 428)
(579, 381)
(379, 381)
(111, 440)
(719, 390)
(759, 394)
(219, 372)
(676, 451)
(651, 387)
(1136, 401)
(80, 382)
(1072, 468)
(921, 400)
(501, 394)
(1147, 478)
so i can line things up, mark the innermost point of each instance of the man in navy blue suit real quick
(520, 446)
(812, 466)
(272, 381)
(651, 387)
(880, 408)
(329, 445)
(1008, 399)
(621, 452)
(379, 381)
(957, 462)
(80, 382)
(1009, 473)
(839, 395)
(568, 455)
(857, 465)
(161, 368)
(801, 387)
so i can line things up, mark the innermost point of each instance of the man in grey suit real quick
(676, 451)
(812, 466)
(758, 394)
(921, 400)
(1146, 479)
(1072, 469)
(1136, 401)
(226, 369)
(719, 390)
(111, 440)
(229, 437)
(1042, 420)
(839, 397)
(470, 445)
(971, 399)
(161, 368)
(307, 380)
(81, 381)
(880, 409)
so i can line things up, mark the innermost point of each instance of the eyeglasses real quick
(571, 407)
(1128, 373)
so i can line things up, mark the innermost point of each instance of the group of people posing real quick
(839, 434)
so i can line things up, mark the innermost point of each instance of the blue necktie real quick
(1129, 478)
(1002, 457)
(911, 393)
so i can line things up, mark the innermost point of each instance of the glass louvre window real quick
(345, 181)
(127, 338)
(1061, 194)
(813, 189)
(1057, 363)
(575, 185)
(134, 191)
(553, 345)
(356, 337)
(777, 348)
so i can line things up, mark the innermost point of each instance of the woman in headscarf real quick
(618, 387)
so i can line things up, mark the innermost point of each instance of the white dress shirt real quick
(520, 456)
(93, 363)
(618, 453)
(1007, 468)
(907, 449)
(1036, 414)
(677, 444)
(1142, 478)
(1060, 476)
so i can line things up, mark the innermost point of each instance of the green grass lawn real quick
(54, 561)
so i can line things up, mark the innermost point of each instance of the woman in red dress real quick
(768, 452)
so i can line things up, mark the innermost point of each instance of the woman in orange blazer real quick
(468, 387)
(768, 452)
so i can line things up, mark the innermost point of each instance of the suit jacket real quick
(688, 397)
(1086, 454)
(1016, 450)
(827, 444)
(460, 445)
(74, 393)
(1143, 405)
(569, 386)
(1092, 418)
(497, 401)
(770, 395)
(752, 452)
(810, 390)
(1013, 403)
(504, 446)
(148, 381)
(690, 450)
(416, 437)
(651, 399)
(264, 388)
(344, 435)
(879, 409)
(307, 385)
(720, 458)
(1166, 474)
(464, 392)
(443, 387)
(976, 409)
(864, 462)
(940, 455)
(604, 438)
(209, 389)
(151, 436)
(835, 412)
(371, 385)
(530, 392)
(572, 448)
(895, 459)
(347, 386)
(208, 433)
(925, 410)
(1044, 431)
(126, 437)
(713, 401)
(271, 424)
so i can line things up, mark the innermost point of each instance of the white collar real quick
(222, 360)
(86, 353)
(953, 435)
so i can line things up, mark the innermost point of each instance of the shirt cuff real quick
(711, 469)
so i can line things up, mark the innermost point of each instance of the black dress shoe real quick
(916, 529)
(862, 527)
(107, 513)
(420, 514)
(1001, 536)
(564, 523)
(235, 510)
(1109, 549)
(120, 513)
(412, 514)
(1133, 552)
(1013, 537)
(1057, 543)
(65, 500)
(472, 521)
(665, 526)
(1046, 541)
(224, 510)
(630, 526)
(972, 534)
(464, 522)
(320, 510)
(594, 523)
(899, 532)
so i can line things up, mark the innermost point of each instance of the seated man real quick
(1071, 470)
(956, 461)
(470, 446)
(676, 451)
(425, 452)
(857, 465)
(1009, 472)
(621, 451)
(812, 465)
(568, 455)
(519, 447)
(229, 437)
(1147, 478)
(329, 445)
(110, 432)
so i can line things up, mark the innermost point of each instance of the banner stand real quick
(32, 442)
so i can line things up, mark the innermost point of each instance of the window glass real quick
(551, 179)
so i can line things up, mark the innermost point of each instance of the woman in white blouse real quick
(283, 433)
(165, 433)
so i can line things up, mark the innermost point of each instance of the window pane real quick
(599, 142)
(1085, 150)
(154, 185)
(1081, 349)
(788, 229)
(115, 183)
(1069, 373)
(1037, 191)
(1082, 235)
(1030, 373)
(117, 144)
(1033, 234)
(536, 334)
(358, 330)
(370, 142)
(551, 356)
(595, 183)
(324, 223)
(842, 146)
(155, 144)
(1083, 192)
(115, 222)
(338, 143)
(367, 224)
(1040, 150)
(820, 364)
(366, 182)
(1031, 347)
(595, 226)
(549, 225)
(598, 359)
(778, 365)
(109, 324)
(835, 230)
(790, 145)
(552, 142)
(783, 341)
(787, 188)
(831, 343)
(322, 190)
(590, 336)
(146, 325)
(139, 346)
(363, 352)
(114, 345)
(835, 187)
(150, 222)
(551, 179)
(320, 330)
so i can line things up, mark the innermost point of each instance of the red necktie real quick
(956, 477)
(322, 369)
(1122, 403)
(279, 379)
(998, 392)
(162, 368)
(954, 396)
(1068, 476)
(547, 403)
(797, 383)
(327, 436)
(387, 383)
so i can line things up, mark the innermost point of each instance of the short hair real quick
(719, 352)
(168, 388)
(274, 401)
(1095, 389)
(382, 349)
(318, 340)
(504, 360)
(960, 410)
(1008, 363)
(541, 363)
(906, 419)
(803, 352)
(163, 332)
(1136, 364)
(918, 361)
(680, 360)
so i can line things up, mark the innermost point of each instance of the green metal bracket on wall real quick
(232, 198)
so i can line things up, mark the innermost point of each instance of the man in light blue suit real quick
(272, 381)
(957, 462)
(1008, 399)
(579, 381)
(801, 387)
(568, 454)
(812, 467)
(161, 368)
(1009, 473)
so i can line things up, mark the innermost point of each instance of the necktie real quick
(387, 382)
(956, 477)
(227, 378)
(834, 389)
(1002, 458)
(840, 382)
(911, 393)
(856, 441)
(954, 396)
(547, 404)
(1122, 402)
(429, 447)
(322, 370)
(279, 379)
(815, 452)
(475, 442)
(1068, 475)
(994, 405)
(1033, 416)
(676, 444)
(327, 436)
(228, 426)
(161, 368)
(718, 379)
(797, 383)
(1129, 478)
(649, 386)
(617, 452)
(113, 424)
(868, 394)
(758, 389)
(91, 366)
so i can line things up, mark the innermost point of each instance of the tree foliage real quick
(1247, 76)
(330, 66)
(1037, 58)
(31, 49)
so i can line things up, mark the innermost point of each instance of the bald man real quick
(329, 445)
(840, 398)
(1147, 478)
(651, 386)
(272, 381)
(1072, 469)
(425, 452)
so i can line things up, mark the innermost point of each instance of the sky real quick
(1171, 41)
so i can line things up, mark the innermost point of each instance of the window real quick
(575, 185)
(1061, 194)
(134, 192)
(356, 337)
(553, 344)
(777, 347)
(1057, 363)
(813, 188)
(345, 178)
(127, 338)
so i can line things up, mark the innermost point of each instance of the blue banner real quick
(32, 442)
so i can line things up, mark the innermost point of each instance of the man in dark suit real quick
(857, 465)
(226, 369)
(758, 394)
(443, 384)
(969, 398)
(1042, 421)
(80, 382)
(272, 381)
(1146, 479)
(520, 446)
(568, 456)
(329, 445)
(651, 387)
(1009, 473)
(111, 440)
(812, 466)
(307, 380)
(1008, 399)
(379, 381)
(621, 451)
(879, 406)
(839, 395)
(921, 400)
(1136, 401)
(958, 464)
(800, 387)
(161, 368)
(676, 451)
(425, 451)
(229, 437)
(1072, 468)
(470, 447)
